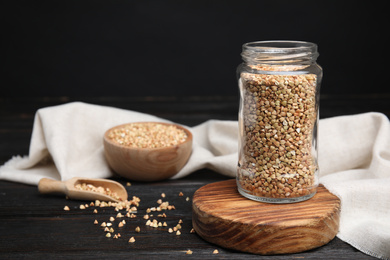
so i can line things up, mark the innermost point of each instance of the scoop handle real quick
(49, 186)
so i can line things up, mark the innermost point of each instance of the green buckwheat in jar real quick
(279, 84)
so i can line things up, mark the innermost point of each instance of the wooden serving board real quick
(224, 217)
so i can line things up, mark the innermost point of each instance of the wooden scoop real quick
(49, 186)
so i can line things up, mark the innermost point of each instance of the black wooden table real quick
(34, 226)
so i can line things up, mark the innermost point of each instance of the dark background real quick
(181, 48)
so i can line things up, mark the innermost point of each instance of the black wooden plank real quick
(34, 225)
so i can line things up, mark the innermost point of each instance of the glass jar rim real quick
(279, 51)
(280, 46)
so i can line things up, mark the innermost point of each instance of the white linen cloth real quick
(354, 160)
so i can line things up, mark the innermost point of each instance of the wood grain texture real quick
(223, 217)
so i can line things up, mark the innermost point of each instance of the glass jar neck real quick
(279, 53)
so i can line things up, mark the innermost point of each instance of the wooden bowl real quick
(147, 164)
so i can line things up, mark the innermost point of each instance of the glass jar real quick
(279, 85)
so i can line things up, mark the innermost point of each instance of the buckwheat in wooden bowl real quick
(147, 151)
